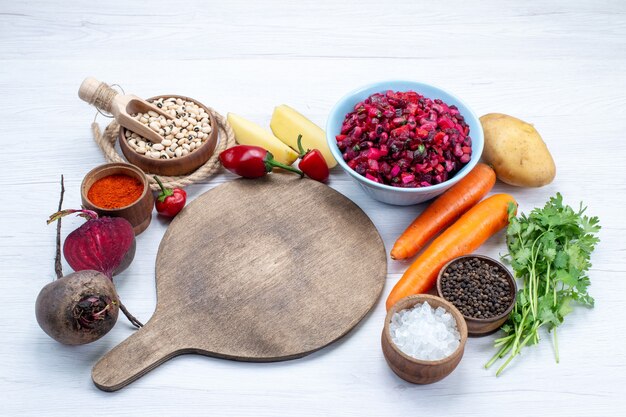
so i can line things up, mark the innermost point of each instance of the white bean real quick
(185, 132)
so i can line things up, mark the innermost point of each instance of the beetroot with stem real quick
(101, 244)
(79, 308)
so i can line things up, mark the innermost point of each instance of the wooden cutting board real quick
(255, 270)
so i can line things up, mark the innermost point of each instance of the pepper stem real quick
(87, 214)
(270, 163)
(300, 148)
(165, 192)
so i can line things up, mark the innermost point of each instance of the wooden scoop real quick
(121, 107)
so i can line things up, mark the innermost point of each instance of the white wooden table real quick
(559, 66)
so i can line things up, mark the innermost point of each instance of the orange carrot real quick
(463, 237)
(444, 210)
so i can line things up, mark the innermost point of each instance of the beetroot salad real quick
(404, 139)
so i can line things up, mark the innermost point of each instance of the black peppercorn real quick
(477, 288)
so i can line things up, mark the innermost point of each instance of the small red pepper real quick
(252, 161)
(312, 162)
(170, 201)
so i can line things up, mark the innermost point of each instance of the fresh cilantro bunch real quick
(550, 250)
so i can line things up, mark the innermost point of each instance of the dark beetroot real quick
(103, 244)
(78, 308)
(404, 139)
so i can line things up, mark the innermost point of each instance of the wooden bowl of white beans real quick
(189, 138)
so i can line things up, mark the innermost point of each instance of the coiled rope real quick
(226, 139)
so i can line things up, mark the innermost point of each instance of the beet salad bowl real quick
(404, 142)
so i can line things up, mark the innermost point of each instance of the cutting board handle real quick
(143, 351)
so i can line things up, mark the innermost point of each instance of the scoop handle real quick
(147, 348)
(97, 94)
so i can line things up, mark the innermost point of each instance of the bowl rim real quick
(421, 298)
(173, 161)
(384, 85)
(122, 165)
(510, 278)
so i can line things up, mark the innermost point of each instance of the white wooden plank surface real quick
(559, 65)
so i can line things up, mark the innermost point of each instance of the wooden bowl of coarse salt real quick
(189, 138)
(410, 344)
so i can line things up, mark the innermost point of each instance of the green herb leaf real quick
(550, 250)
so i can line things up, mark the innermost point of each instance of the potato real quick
(249, 133)
(516, 151)
(287, 124)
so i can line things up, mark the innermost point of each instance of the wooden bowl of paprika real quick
(180, 165)
(119, 190)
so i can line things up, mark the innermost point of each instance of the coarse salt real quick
(425, 333)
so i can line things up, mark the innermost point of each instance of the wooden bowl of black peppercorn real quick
(481, 288)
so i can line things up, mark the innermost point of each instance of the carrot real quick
(444, 210)
(463, 237)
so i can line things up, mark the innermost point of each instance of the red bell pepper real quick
(170, 201)
(252, 161)
(312, 163)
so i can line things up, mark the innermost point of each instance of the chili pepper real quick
(170, 201)
(312, 163)
(251, 161)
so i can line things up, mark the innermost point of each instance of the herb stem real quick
(556, 346)
(550, 250)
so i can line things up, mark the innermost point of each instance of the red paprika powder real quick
(115, 191)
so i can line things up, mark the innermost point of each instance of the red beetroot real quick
(100, 244)
(78, 308)
(103, 244)
(404, 139)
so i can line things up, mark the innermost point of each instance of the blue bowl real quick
(386, 193)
